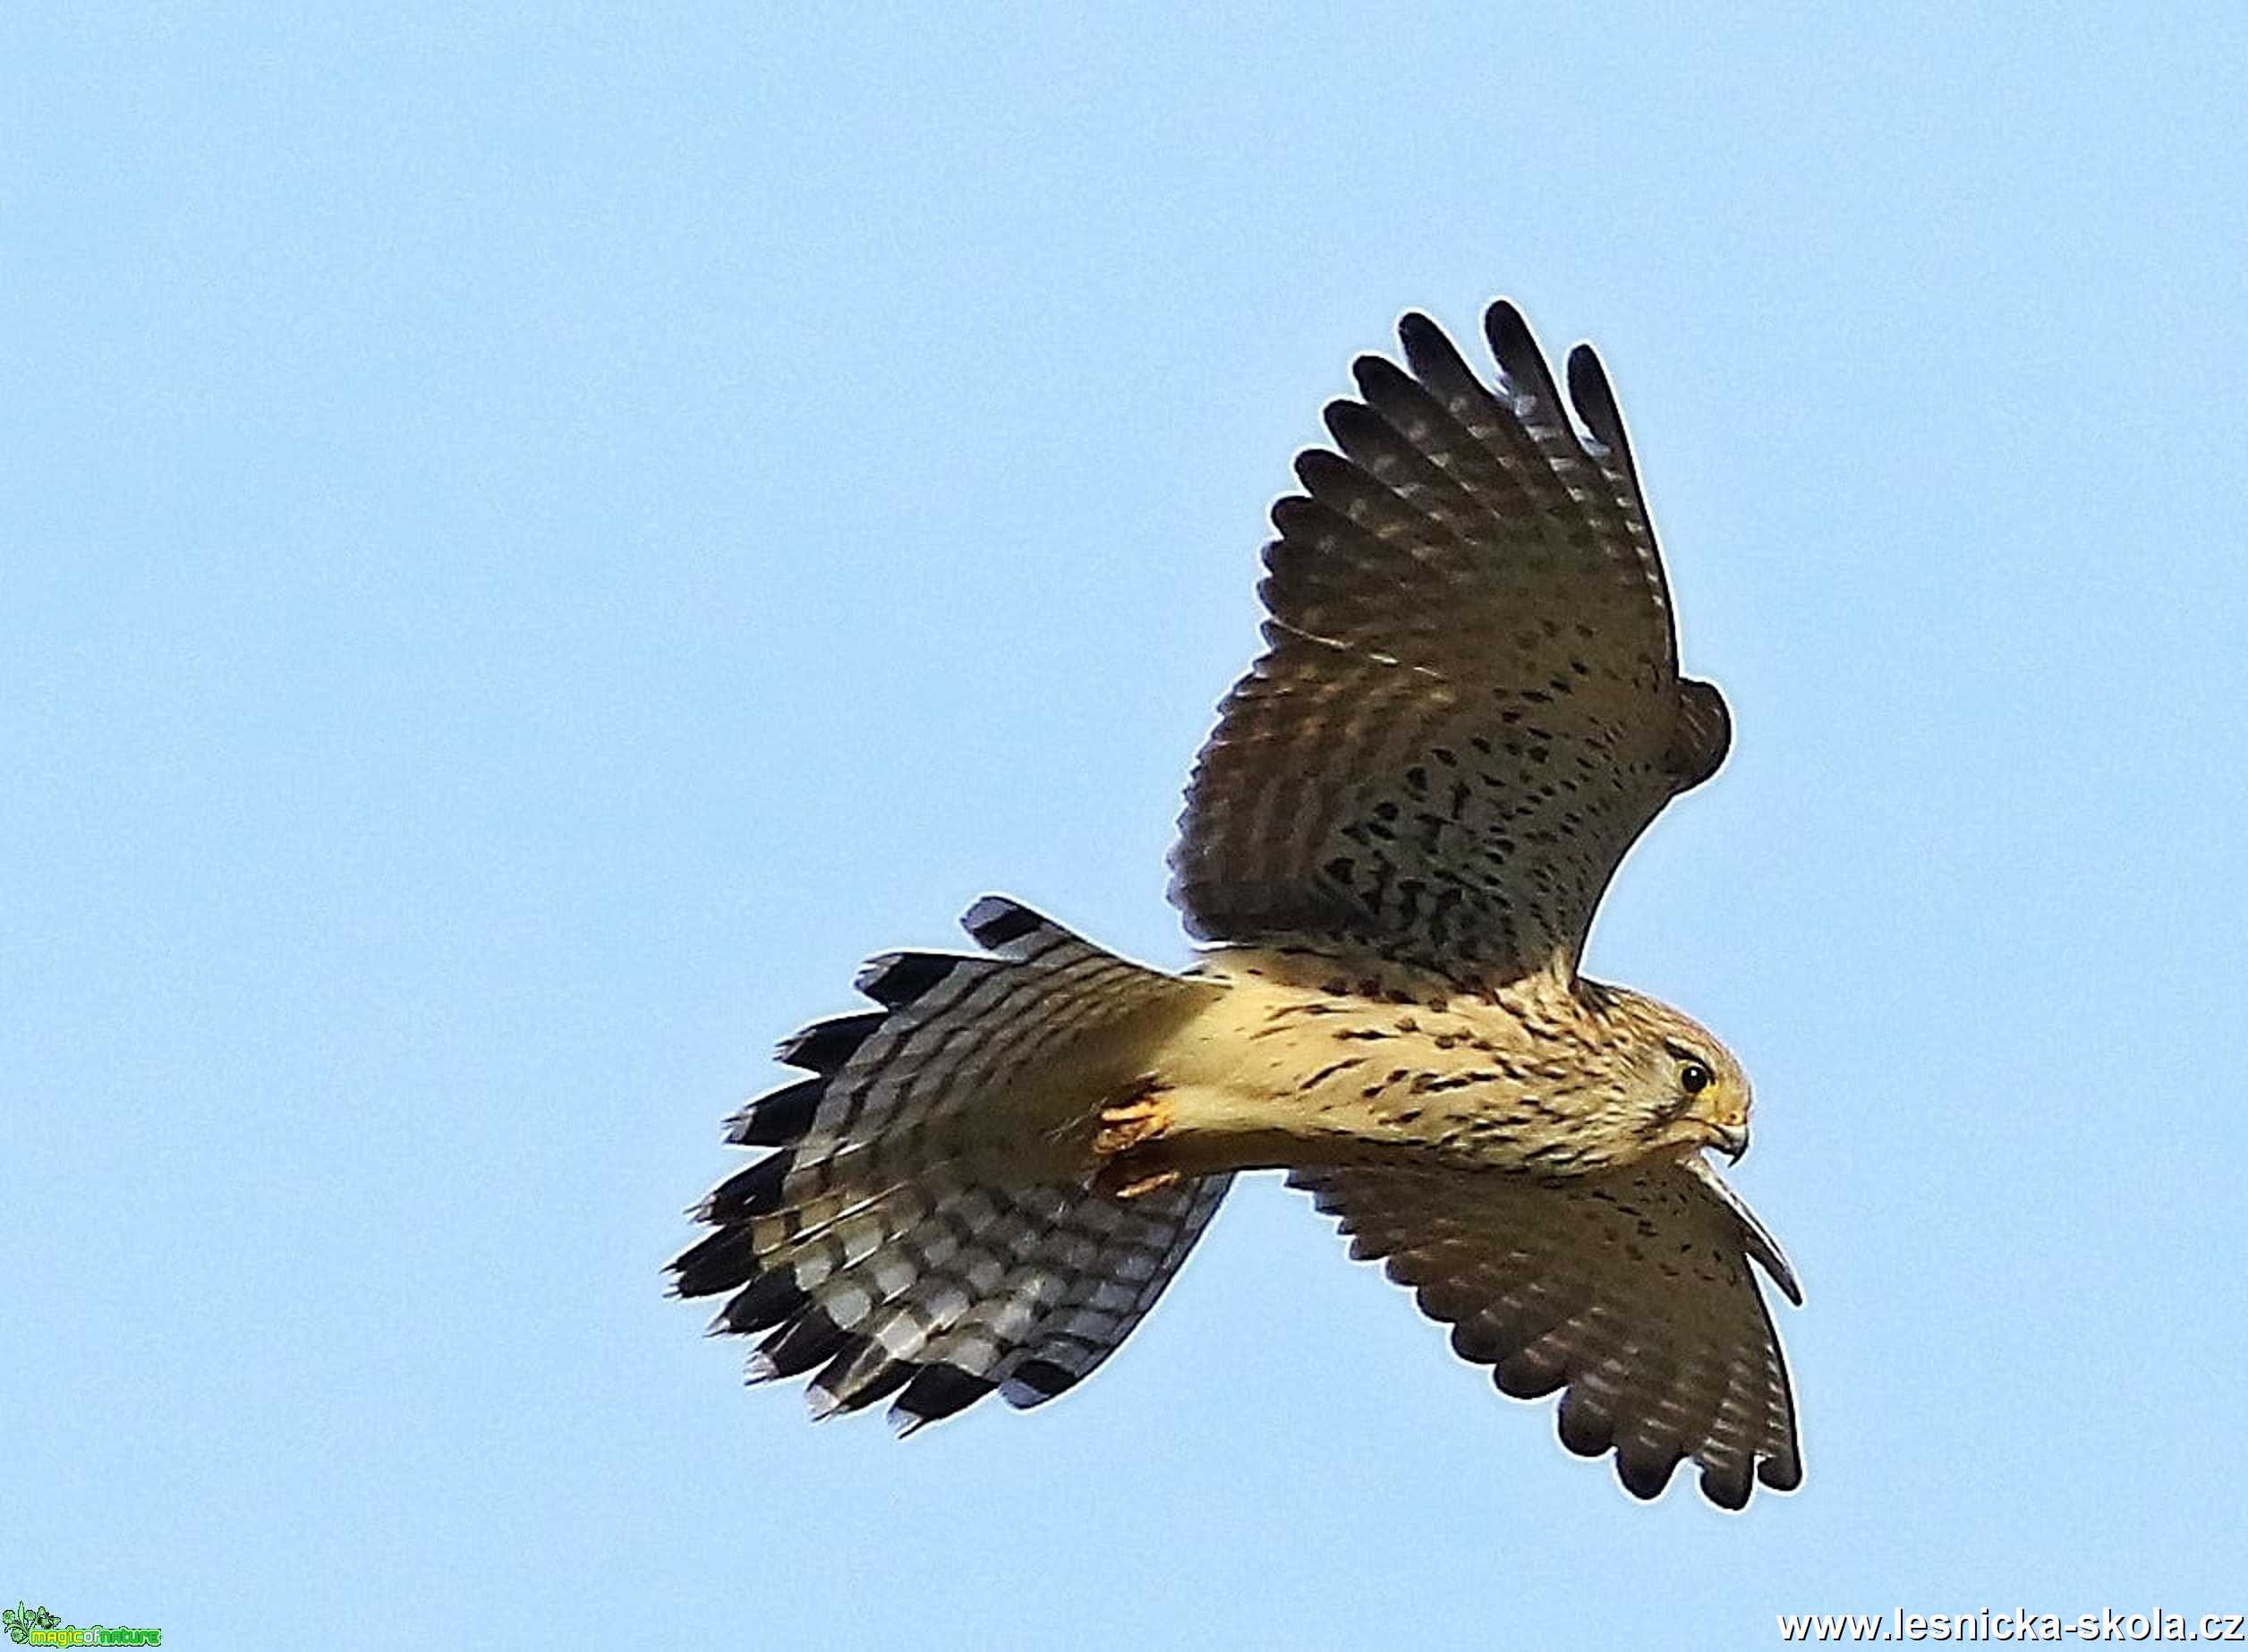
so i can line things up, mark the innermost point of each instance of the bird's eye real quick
(1693, 1078)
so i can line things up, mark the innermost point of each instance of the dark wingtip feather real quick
(1727, 1487)
(1524, 1376)
(779, 1117)
(1586, 1426)
(1519, 356)
(1325, 474)
(1593, 398)
(1298, 520)
(843, 1393)
(1374, 371)
(721, 1262)
(1781, 1473)
(826, 1047)
(810, 1339)
(1348, 422)
(1370, 439)
(1034, 1382)
(895, 979)
(1435, 360)
(766, 1301)
(1417, 332)
(1388, 388)
(1645, 1475)
(756, 1191)
(994, 921)
(937, 1391)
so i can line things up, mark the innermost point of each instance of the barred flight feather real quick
(912, 1236)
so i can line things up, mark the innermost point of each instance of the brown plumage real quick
(1394, 843)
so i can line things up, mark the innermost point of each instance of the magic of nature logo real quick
(35, 1626)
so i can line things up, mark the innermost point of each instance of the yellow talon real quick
(1124, 1128)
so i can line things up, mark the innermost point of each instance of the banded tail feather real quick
(923, 1229)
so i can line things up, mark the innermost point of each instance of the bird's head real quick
(1684, 1090)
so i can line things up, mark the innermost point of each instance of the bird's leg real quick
(1127, 1129)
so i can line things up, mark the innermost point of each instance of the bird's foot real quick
(1126, 1131)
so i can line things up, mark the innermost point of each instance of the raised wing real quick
(1471, 703)
(1632, 1293)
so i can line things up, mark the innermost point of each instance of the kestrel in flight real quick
(1469, 707)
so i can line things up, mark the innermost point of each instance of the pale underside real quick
(1395, 840)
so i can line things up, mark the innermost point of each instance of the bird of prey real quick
(1469, 707)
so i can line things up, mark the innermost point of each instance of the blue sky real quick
(532, 543)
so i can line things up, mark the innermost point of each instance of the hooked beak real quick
(1730, 1139)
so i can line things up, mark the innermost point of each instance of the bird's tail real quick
(926, 1226)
